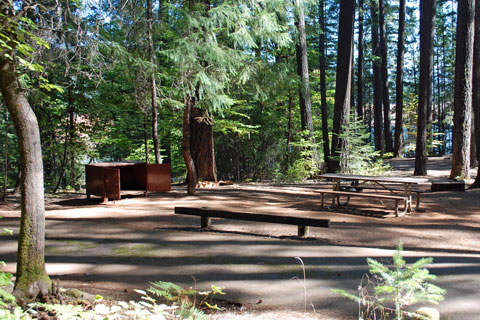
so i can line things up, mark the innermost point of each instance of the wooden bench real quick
(397, 198)
(417, 192)
(206, 214)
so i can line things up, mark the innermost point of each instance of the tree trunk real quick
(427, 27)
(153, 85)
(360, 76)
(201, 144)
(186, 150)
(289, 129)
(31, 278)
(5, 158)
(377, 84)
(302, 69)
(473, 142)
(387, 119)
(68, 144)
(463, 90)
(323, 83)
(476, 89)
(343, 81)
(145, 138)
(398, 146)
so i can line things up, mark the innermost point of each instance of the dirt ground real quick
(448, 222)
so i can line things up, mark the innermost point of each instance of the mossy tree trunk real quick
(32, 280)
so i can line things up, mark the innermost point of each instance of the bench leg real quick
(322, 194)
(407, 206)
(205, 222)
(345, 203)
(418, 201)
(302, 231)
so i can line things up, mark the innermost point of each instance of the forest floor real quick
(114, 248)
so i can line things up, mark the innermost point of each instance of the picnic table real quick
(357, 185)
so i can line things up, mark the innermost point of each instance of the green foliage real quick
(8, 307)
(392, 290)
(138, 154)
(5, 281)
(18, 37)
(305, 166)
(410, 126)
(181, 304)
(359, 157)
(186, 299)
(211, 52)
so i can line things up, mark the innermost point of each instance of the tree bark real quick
(289, 129)
(427, 27)
(463, 90)
(473, 141)
(201, 144)
(153, 85)
(377, 83)
(387, 119)
(360, 73)
(476, 90)
(323, 82)
(186, 150)
(5, 158)
(302, 70)
(145, 138)
(398, 145)
(31, 278)
(343, 81)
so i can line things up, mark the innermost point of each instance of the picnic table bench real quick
(402, 194)
(206, 214)
(397, 198)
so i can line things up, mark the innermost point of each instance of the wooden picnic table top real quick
(403, 180)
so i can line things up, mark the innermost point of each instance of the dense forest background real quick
(251, 88)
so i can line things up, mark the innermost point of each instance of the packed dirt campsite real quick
(239, 159)
(266, 270)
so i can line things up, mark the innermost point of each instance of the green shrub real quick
(390, 291)
(306, 165)
(359, 156)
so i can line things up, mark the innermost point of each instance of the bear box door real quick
(158, 177)
(112, 183)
